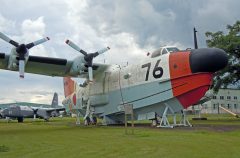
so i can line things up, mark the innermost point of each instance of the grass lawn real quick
(60, 138)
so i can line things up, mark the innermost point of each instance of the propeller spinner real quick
(22, 50)
(88, 57)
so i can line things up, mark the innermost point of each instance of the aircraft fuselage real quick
(151, 85)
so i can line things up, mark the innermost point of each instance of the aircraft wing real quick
(50, 66)
(47, 66)
(41, 65)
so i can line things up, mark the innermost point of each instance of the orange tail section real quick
(69, 86)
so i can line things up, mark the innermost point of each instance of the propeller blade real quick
(90, 74)
(7, 39)
(30, 45)
(103, 50)
(21, 68)
(74, 46)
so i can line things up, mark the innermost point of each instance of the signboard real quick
(128, 108)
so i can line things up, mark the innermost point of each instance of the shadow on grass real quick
(4, 148)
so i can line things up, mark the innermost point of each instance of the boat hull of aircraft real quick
(177, 87)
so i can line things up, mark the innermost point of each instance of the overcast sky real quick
(130, 27)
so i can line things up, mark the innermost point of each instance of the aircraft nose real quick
(208, 60)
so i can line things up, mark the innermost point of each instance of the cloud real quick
(5, 24)
(33, 28)
(216, 14)
(94, 26)
(27, 89)
(150, 25)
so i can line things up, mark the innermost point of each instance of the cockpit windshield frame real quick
(164, 50)
(172, 49)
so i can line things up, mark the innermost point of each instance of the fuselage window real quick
(164, 51)
(172, 49)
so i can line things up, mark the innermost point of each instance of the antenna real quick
(195, 38)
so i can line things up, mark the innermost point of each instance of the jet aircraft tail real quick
(55, 101)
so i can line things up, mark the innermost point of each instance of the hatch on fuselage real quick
(164, 50)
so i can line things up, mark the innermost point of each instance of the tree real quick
(230, 43)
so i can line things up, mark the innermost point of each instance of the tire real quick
(20, 119)
(87, 121)
(154, 123)
(94, 119)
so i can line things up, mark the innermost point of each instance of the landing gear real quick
(155, 121)
(34, 117)
(88, 118)
(94, 120)
(87, 121)
(20, 119)
(78, 119)
(8, 119)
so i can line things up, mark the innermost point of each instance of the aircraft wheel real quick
(154, 122)
(94, 120)
(87, 121)
(20, 119)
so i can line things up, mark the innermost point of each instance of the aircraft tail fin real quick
(54, 100)
(69, 86)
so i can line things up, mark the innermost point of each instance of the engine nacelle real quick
(78, 66)
(13, 62)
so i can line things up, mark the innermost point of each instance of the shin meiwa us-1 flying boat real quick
(163, 83)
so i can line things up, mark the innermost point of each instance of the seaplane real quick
(163, 84)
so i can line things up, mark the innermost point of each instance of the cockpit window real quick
(173, 49)
(164, 51)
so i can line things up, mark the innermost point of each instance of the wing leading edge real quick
(48, 66)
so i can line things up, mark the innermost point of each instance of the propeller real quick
(88, 57)
(22, 50)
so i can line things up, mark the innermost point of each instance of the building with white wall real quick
(227, 98)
